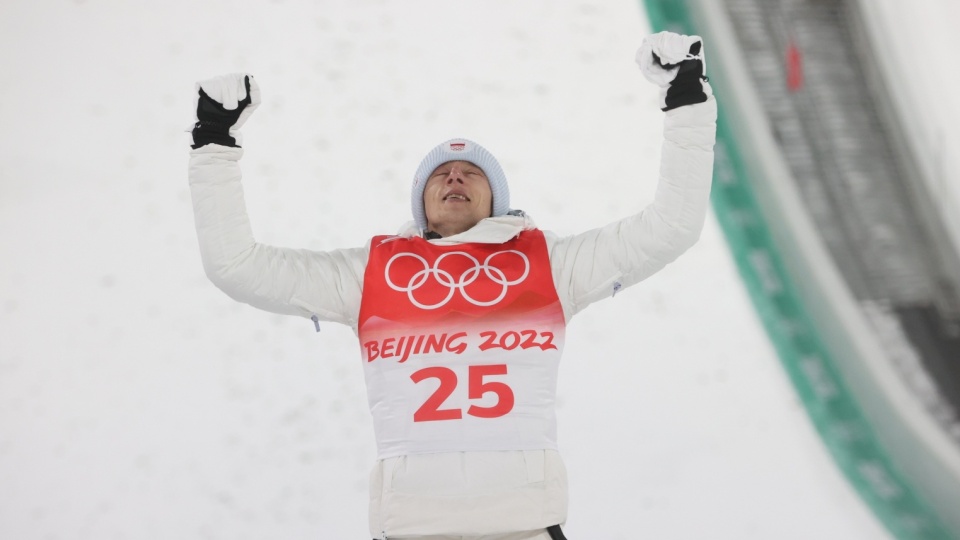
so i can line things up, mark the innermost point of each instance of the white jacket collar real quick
(493, 230)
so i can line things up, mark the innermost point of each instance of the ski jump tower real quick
(848, 251)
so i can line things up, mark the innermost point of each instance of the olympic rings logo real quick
(446, 279)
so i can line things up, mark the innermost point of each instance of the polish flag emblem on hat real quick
(458, 146)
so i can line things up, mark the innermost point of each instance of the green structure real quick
(832, 408)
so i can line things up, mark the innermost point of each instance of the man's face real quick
(457, 196)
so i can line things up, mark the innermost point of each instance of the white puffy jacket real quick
(466, 493)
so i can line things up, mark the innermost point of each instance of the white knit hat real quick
(460, 150)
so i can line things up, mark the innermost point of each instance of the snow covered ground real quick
(137, 401)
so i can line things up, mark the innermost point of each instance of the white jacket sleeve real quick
(598, 263)
(281, 280)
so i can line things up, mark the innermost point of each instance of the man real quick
(461, 316)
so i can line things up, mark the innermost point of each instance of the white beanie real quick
(459, 150)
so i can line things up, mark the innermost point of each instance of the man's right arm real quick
(280, 280)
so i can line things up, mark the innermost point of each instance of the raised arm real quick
(598, 263)
(289, 281)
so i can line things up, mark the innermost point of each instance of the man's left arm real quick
(598, 263)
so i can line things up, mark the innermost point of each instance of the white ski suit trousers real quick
(529, 535)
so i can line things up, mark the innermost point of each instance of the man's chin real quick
(453, 226)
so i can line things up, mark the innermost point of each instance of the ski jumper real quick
(457, 334)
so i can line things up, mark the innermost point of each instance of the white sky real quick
(138, 401)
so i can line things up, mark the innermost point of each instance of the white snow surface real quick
(138, 401)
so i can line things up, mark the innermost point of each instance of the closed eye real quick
(472, 172)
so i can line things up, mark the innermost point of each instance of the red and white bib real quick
(461, 345)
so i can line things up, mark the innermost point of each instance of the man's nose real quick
(455, 175)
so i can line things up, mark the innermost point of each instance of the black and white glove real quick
(223, 104)
(675, 63)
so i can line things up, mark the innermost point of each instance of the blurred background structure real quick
(793, 376)
(846, 239)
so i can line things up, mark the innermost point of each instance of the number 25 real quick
(430, 410)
